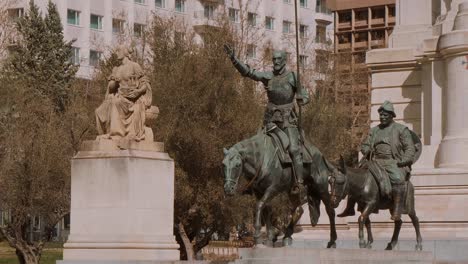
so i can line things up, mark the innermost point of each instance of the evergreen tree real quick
(41, 58)
(39, 132)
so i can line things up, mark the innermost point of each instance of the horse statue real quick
(361, 187)
(257, 158)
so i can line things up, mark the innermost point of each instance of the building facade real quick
(359, 26)
(98, 26)
(423, 72)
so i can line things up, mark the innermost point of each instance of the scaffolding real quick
(358, 30)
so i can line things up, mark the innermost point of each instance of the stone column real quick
(454, 49)
(413, 23)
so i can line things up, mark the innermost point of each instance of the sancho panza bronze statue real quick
(282, 88)
(382, 182)
(391, 148)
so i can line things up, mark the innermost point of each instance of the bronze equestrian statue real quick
(280, 116)
(257, 160)
(389, 151)
(273, 160)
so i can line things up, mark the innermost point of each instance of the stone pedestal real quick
(122, 201)
(337, 256)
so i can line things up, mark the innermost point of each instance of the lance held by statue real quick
(281, 117)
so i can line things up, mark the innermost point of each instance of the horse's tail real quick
(314, 209)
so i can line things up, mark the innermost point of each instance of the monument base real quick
(336, 256)
(440, 193)
(122, 199)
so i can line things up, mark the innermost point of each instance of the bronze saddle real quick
(281, 142)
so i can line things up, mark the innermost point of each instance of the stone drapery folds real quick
(127, 102)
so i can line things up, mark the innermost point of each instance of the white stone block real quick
(396, 79)
(122, 204)
(396, 95)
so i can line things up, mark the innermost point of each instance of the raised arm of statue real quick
(244, 69)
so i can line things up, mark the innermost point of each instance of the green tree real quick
(205, 105)
(328, 120)
(42, 124)
(41, 57)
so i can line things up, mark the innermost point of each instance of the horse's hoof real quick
(369, 246)
(418, 247)
(389, 246)
(269, 243)
(347, 213)
(331, 244)
(362, 244)
(260, 246)
(258, 241)
(287, 242)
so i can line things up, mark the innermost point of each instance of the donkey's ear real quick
(225, 151)
(342, 164)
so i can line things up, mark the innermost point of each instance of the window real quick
(96, 22)
(75, 57)
(303, 60)
(208, 11)
(180, 6)
(321, 34)
(160, 3)
(303, 3)
(252, 19)
(66, 221)
(36, 223)
(269, 23)
(117, 26)
(251, 51)
(321, 7)
(234, 15)
(94, 57)
(138, 30)
(73, 17)
(14, 13)
(286, 27)
(303, 31)
(4, 218)
(140, 1)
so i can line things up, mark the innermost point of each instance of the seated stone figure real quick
(127, 103)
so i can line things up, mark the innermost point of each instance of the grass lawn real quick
(49, 255)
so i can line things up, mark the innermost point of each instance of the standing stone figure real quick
(390, 150)
(128, 96)
(282, 87)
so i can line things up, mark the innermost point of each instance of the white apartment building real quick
(98, 25)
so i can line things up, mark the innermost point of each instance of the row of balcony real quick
(374, 22)
(378, 43)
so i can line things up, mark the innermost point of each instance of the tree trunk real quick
(20, 256)
(187, 244)
(202, 243)
(27, 256)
